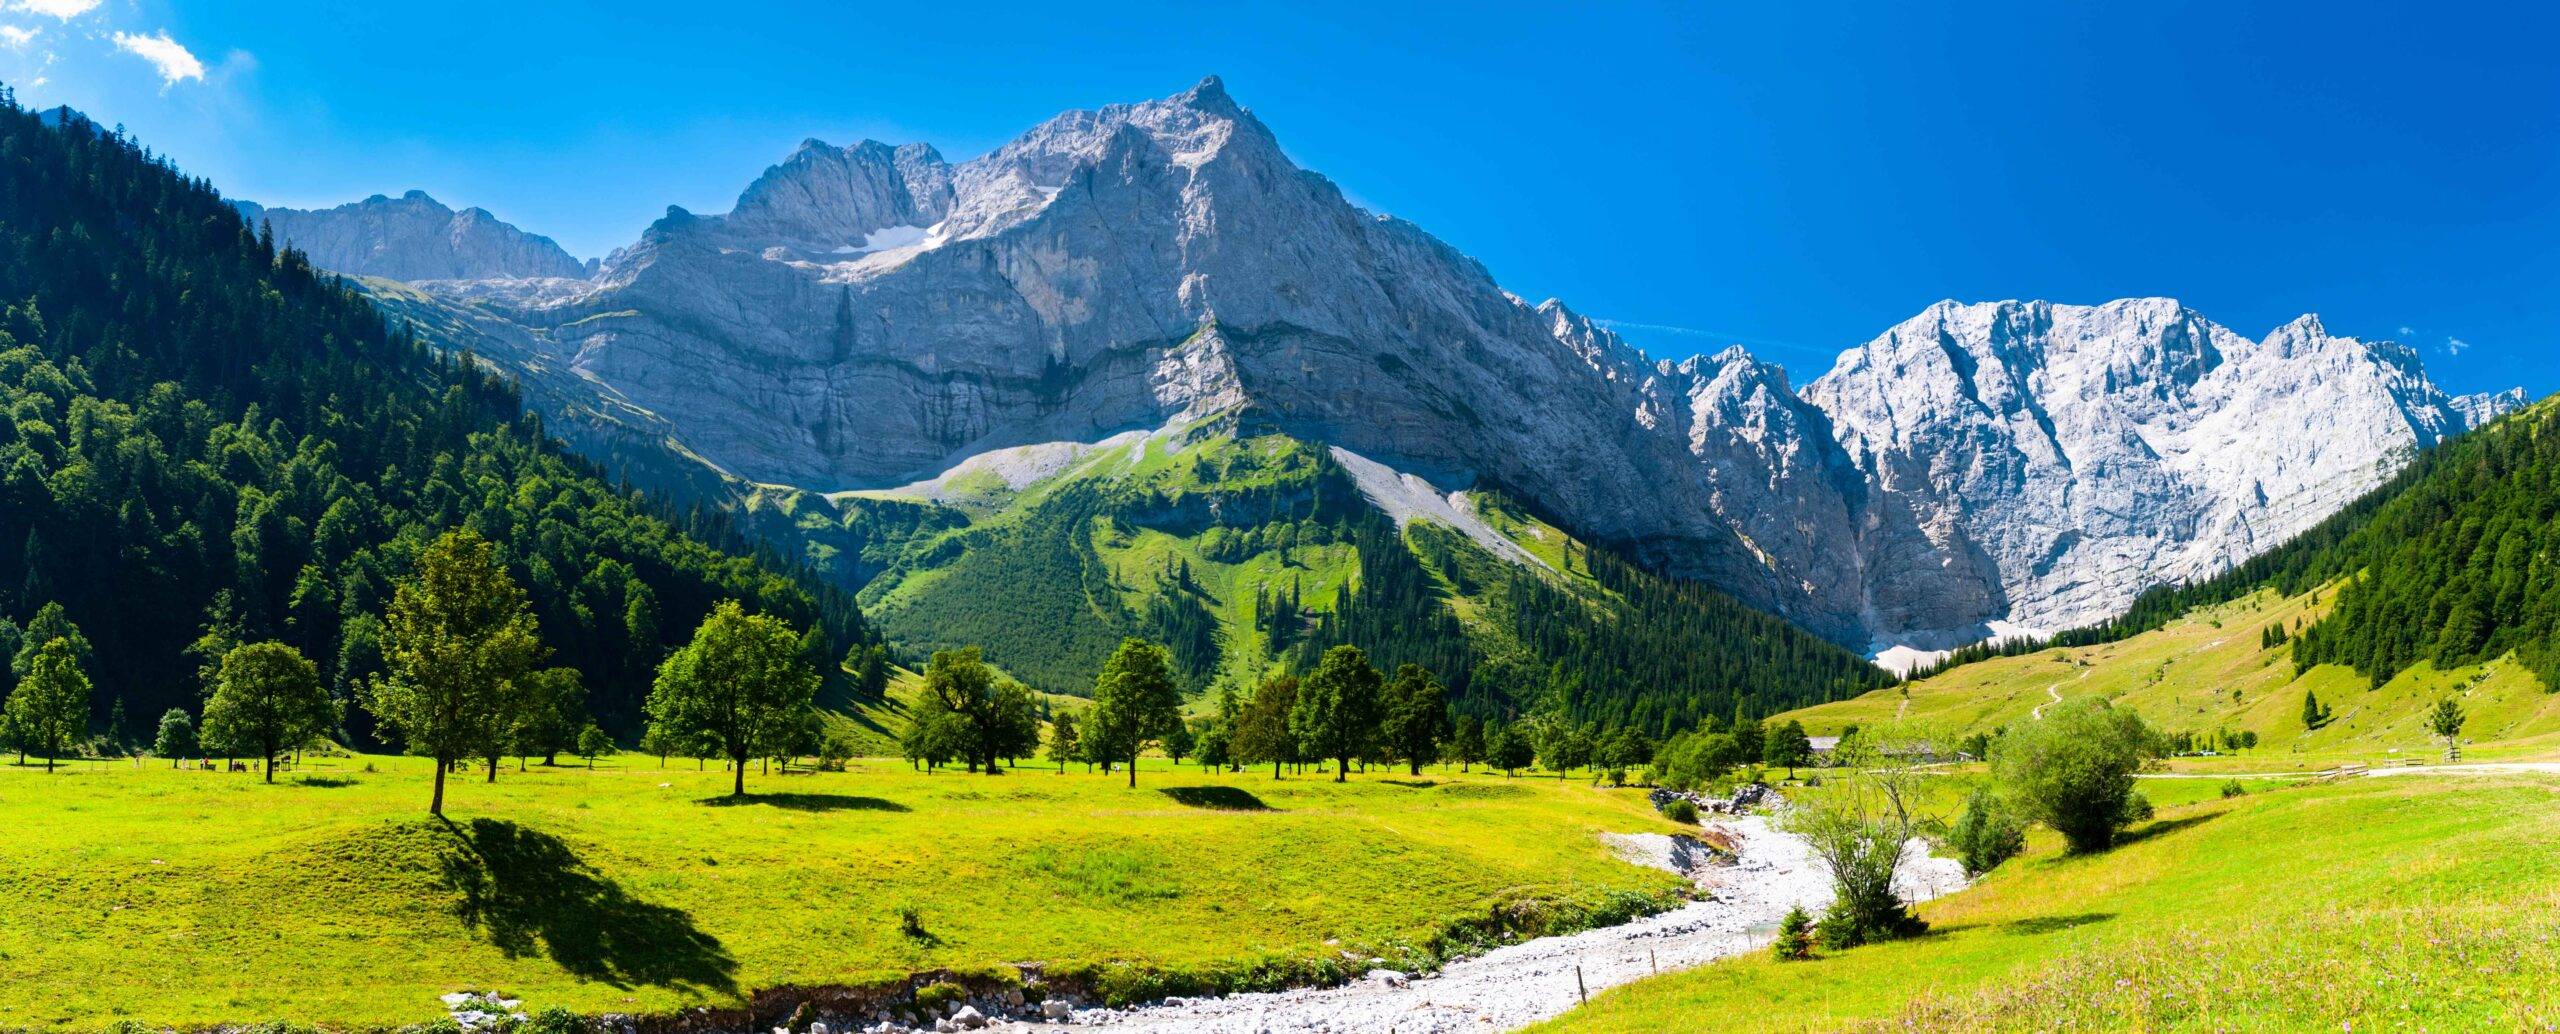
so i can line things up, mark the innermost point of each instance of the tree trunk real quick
(1342, 770)
(1413, 768)
(738, 787)
(1133, 766)
(436, 807)
(271, 767)
(493, 769)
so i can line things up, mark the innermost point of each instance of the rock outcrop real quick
(869, 316)
(413, 237)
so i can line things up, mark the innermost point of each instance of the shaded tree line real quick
(205, 443)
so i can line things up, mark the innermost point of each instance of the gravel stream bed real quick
(1520, 984)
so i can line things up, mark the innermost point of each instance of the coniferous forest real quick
(204, 441)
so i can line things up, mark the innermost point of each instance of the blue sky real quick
(1794, 177)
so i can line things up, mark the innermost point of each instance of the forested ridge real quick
(205, 441)
(1170, 545)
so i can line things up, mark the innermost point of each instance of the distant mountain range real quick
(414, 237)
(871, 317)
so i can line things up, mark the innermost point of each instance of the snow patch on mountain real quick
(885, 238)
(1979, 467)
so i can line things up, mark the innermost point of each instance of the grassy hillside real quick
(2376, 904)
(193, 898)
(2212, 670)
(1247, 552)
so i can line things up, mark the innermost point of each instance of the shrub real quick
(2232, 788)
(940, 993)
(1986, 835)
(554, 1020)
(1795, 936)
(2137, 808)
(2073, 770)
(1681, 810)
(1862, 850)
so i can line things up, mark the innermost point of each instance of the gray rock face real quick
(869, 316)
(2039, 464)
(413, 237)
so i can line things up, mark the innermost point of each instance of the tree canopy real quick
(740, 684)
(268, 698)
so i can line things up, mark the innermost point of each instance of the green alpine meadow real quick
(640, 518)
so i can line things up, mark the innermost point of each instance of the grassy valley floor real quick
(189, 898)
(2421, 903)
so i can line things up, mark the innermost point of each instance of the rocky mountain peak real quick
(415, 237)
(871, 316)
(1210, 95)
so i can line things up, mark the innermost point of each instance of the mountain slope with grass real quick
(2215, 674)
(2444, 582)
(206, 441)
(1246, 551)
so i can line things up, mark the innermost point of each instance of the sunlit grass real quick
(2358, 905)
(190, 898)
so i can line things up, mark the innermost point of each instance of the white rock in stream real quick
(1514, 986)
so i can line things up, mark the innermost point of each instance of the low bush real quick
(1681, 810)
(1987, 834)
(1795, 936)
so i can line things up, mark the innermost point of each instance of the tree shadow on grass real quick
(2164, 826)
(1216, 798)
(2053, 924)
(326, 782)
(1417, 784)
(805, 802)
(530, 893)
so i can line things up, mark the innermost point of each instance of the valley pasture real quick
(190, 898)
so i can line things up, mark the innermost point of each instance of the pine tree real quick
(1795, 936)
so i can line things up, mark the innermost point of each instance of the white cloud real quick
(2408, 332)
(2455, 345)
(63, 9)
(16, 37)
(173, 59)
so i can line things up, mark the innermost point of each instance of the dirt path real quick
(1521, 984)
(2054, 691)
